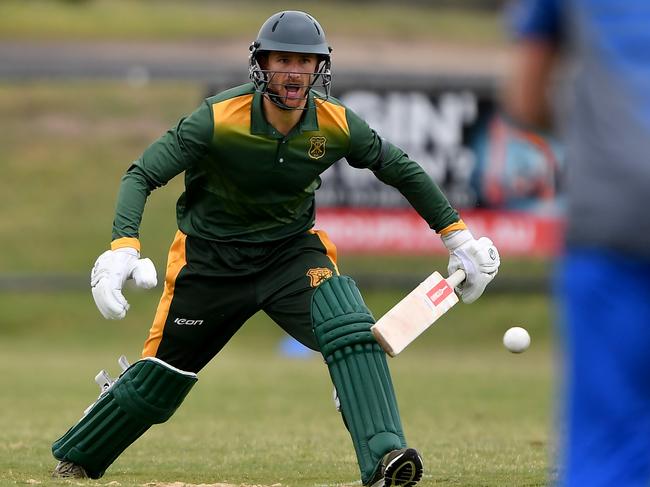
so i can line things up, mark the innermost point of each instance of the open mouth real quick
(293, 91)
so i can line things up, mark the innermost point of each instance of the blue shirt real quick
(604, 115)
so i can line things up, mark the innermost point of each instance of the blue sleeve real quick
(536, 19)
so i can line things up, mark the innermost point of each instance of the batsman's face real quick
(290, 75)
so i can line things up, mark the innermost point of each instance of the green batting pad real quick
(146, 393)
(358, 368)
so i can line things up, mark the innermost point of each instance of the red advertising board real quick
(403, 231)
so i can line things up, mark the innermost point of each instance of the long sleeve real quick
(178, 149)
(393, 167)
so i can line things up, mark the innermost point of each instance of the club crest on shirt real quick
(317, 147)
(318, 275)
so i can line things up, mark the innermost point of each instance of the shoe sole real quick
(404, 470)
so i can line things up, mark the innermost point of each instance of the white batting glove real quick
(111, 271)
(478, 258)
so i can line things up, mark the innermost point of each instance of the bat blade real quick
(409, 318)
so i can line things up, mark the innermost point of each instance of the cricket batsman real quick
(252, 157)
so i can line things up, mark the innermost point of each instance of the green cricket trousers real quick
(212, 288)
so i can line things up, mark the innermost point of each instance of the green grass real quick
(65, 148)
(201, 20)
(480, 415)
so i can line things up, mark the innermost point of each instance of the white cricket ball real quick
(516, 339)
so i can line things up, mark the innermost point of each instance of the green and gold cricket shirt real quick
(247, 182)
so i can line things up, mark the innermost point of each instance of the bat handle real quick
(456, 278)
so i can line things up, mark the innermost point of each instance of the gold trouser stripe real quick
(176, 260)
(120, 243)
(330, 248)
(459, 225)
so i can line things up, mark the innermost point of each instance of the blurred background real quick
(86, 85)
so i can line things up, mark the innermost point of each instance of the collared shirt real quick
(247, 182)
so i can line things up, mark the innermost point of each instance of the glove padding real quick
(111, 270)
(478, 258)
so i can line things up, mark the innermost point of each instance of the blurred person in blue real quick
(601, 52)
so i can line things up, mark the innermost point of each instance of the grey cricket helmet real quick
(290, 31)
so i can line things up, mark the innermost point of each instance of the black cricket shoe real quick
(401, 468)
(69, 470)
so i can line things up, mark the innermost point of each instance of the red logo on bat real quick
(439, 292)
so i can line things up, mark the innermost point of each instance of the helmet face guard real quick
(296, 32)
(265, 81)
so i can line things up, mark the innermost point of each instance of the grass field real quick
(65, 147)
(196, 20)
(480, 415)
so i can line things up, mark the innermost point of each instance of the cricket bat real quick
(408, 319)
